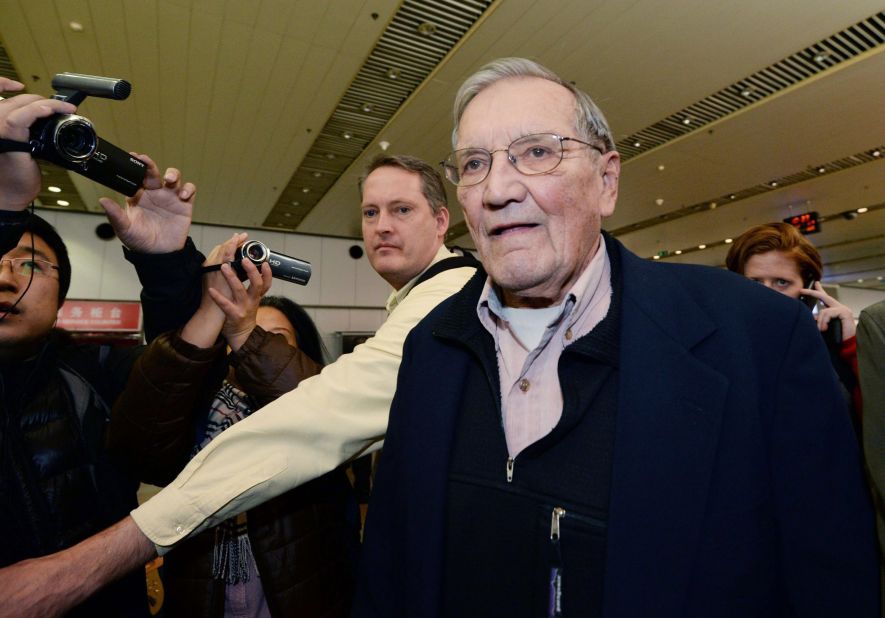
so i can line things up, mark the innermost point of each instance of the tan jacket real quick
(328, 419)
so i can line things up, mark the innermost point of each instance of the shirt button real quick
(524, 385)
(568, 335)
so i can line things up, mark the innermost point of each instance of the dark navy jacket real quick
(737, 487)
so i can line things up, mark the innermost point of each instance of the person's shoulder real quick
(458, 307)
(874, 312)
(730, 295)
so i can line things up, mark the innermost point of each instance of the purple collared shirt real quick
(531, 397)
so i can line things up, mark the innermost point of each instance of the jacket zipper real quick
(554, 607)
(511, 462)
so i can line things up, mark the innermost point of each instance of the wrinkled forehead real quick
(513, 107)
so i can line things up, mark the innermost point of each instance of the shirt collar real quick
(397, 296)
(490, 304)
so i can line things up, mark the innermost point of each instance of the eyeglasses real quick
(530, 155)
(25, 267)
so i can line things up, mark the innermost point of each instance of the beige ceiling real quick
(236, 93)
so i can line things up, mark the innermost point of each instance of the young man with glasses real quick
(58, 484)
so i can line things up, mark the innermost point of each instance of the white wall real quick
(859, 298)
(343, 294)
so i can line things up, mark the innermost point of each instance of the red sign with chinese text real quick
(100, 316)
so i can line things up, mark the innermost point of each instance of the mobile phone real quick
(809, 301)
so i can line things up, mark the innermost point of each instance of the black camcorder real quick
(281, 266)
(70, 141)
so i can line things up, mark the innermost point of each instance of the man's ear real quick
(611, 174)
(442, 221)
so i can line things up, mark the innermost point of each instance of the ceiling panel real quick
(236, 94)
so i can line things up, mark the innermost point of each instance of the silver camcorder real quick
(281, 266)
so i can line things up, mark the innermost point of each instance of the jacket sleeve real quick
(267, 366)
(327, 420)
(152, 423)
(171, 287)
(871, 361)
(823, 512)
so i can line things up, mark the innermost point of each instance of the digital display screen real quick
(806, 223)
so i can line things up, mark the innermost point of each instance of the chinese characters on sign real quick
(100, 316)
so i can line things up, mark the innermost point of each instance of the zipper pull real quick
(510, 464)
(554, 606)
(558, 513)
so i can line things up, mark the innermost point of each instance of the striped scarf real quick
(232, 555)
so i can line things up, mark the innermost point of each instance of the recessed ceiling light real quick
(656, 257)
(713, 205)
(330, 155)
(686, 120)
(678, 252)
(367, 108)
(879, 278)
(75, 26)
(821, 170)
(728, 241)
(296, 203)
(317, 174)
(281, 224)
(287, 214)
(638, 144)
(748, 91)
(427, 29)
(53, 189)
(702, 246)
(305, 189)
(876, 153)
(661, 167)
(822, 56)
(63, 202)
(860, 280)
(773, 183)
(732, 196)
(659, 201)
(347, 135)
(862, 210)
(393, 73)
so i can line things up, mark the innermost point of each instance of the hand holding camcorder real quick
(70, 140)
(281, 266)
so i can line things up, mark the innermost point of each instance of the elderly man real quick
(610, 436)
(325, 421)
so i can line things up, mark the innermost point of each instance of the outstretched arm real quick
(52, 585)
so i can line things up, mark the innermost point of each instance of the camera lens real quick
(74, 138)
(255, 251)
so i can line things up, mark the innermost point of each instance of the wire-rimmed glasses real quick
(538, 153)
(25, 267)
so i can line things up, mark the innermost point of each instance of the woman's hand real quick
(241, 306)
(831, 310)
(203, 328)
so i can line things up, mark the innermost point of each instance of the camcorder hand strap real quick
(8, 145)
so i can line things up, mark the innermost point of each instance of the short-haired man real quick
(325, 421)
(610, 436)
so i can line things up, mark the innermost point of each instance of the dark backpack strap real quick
(461, 261)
